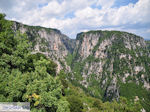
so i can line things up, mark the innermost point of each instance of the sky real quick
(75, 16)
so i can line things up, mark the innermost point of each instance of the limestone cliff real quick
(105, 59)
(48, 41)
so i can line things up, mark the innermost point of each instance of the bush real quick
(76, 104)
(98, 104)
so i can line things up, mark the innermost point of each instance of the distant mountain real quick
(106, 64)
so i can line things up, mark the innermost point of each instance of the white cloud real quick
(83, 15)
(105, 3)
(132, 13)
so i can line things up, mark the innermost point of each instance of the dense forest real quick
(31, 77)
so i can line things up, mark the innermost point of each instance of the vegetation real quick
(96, 88)
(27, 77)
(130, 90)
(148, 44)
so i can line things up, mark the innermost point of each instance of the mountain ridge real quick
(103, 63)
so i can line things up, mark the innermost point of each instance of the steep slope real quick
(48, 41)
(109, 63)
(106, 64)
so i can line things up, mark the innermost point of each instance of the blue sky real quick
(74, 16)
(119, 3)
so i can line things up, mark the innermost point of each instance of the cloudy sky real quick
(74, 16)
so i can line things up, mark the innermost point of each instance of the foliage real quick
(76, 104)
(130, 90)
(50, 65)
(148, 44)
(78, 99)
(27, 77)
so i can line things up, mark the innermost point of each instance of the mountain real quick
(105, 64)
(108, 63)
(48, 41)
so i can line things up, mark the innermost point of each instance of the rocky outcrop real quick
(112, 91)
(50, 42)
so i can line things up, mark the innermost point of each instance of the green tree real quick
(50, 65)
(25, 76)
(98, 104)
(37, 87)
(76, 104)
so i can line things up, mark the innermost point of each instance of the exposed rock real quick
(108, 54)
(146, 85)
(112, 92)
(101, 59)
(50, 42)
(136, 99)
(87, 44)
(138, 69)
(122, 56)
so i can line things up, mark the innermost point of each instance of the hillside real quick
(99, 66)
(106, 64)
(48, 41)
(109, 64)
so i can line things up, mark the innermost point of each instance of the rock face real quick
(101, 62)
(50, 42)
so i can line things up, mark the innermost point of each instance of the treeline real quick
(27, 77)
